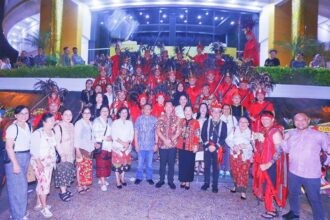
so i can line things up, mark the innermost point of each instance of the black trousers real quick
(211, 159)
(186, 165)
(167, 157)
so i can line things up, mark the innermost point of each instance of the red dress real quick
(246, 97)
(255, 110)
(115, 67)
(227, 91)
(157, 110)
(251, 50)
(263, 186)
(193, 93)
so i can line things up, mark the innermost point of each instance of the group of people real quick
(205, 121)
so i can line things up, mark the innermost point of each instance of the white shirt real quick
(244, 138)
(102, 129)
(179, 111)
(42, 145)
(231, 122)
(22, 142)
(123, 131)
(110, 98)
(83, 137)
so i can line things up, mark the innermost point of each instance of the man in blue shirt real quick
(145, 143)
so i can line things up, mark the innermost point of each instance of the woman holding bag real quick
(102, 137)
(65, 171)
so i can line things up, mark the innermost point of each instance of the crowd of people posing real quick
(214, 127)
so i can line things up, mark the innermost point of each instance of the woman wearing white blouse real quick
(102, 138)
(84, 145)
(231, 122)
(43, 161)
(122, 135)
(183, 101)
(240, 156)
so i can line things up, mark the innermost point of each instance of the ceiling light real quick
(181, 16)
(200, 22)
(102, 22)
(164, 15)
(186, 11)
(206, 13)
(199, 17)
(161, 21)
(232, 22)
(130, 17)
(160, 11)
(185, 21)
(115, 21)
(222, 18)
(147, 22)
(147, 16)
(216, 18)
(141, 13)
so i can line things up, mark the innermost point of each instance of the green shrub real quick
(86, 71)
(302, 76)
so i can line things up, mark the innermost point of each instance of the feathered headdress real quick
(136, 91)
(246, 72)
(179, 49)
(49, 86)
(262, 81)
(230, 66)
(217, 47)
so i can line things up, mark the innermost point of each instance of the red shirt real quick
(246, 97)
(193, 92)
(115, 66)
(227, 91)
(103, 82)
(189, 137)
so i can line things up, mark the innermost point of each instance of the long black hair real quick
(120, 110)
(199, 111)
(20, 108)
(44, 119)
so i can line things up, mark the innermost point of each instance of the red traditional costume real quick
(251, 48)
(102, 79)
(270, 184)
(246, 96)
(193, 92)
(226, 92)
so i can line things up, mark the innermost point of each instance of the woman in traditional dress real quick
(65, 171)
(43, 161)
(102, 137)
(231, 122)
(122, 135)
(187, 145)
(84, 145)
(183, 101)
(201, 117)
(240, 156)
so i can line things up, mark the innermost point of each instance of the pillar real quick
(51, 13)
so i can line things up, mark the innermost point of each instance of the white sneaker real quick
(46, 213)
(227, 173)
(221, 173)
(104, 188)
(106, 183)
(99, 182)
(38, 207)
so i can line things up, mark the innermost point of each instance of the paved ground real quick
(146, 202)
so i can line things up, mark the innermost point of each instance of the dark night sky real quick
(5, 49)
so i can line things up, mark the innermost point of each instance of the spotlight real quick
(141, 13)
(200, 22)
(216, 18)
(164, 16)
(232, 22)
(186, 11)
(102, 23)
(147, 16)
(160, 11)
(130, 17)
(199, 17)
(115, 21)
(206, 13)
(181, 16)
(222, 18)
(161, 21)
(185, 21)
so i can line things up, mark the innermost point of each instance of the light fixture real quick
(130, 17)
(115, 21)
(160, 11)
(222, 18)
(216, 18)
(147, 22)
(141, 13)
(199, 17)
(186, 11)
(200, 22)
(206, 13)
(232, 22)
(181, 16)
(102, 23)
(185, 21)
(147, 16)
(161, 21)
(164, 16)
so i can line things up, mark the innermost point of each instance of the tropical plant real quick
(37, 39)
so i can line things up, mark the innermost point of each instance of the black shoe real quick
(137, 181)
(159, 184)
(119, 186)
(243, 197)
(290, 215)
(215, 189)
(182, 185)
(187, 187)
(233, 190)
(151, 182)
(123, 183)
(172, 185)
(205, 186)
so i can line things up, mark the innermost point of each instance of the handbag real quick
(4, 154)
(58, 156)
(99, 150)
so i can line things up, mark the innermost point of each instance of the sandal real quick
(270, 215)
(69, 193)
(80, 190)
(64, 197)
(87, 189)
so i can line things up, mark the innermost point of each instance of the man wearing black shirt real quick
(272, 61)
